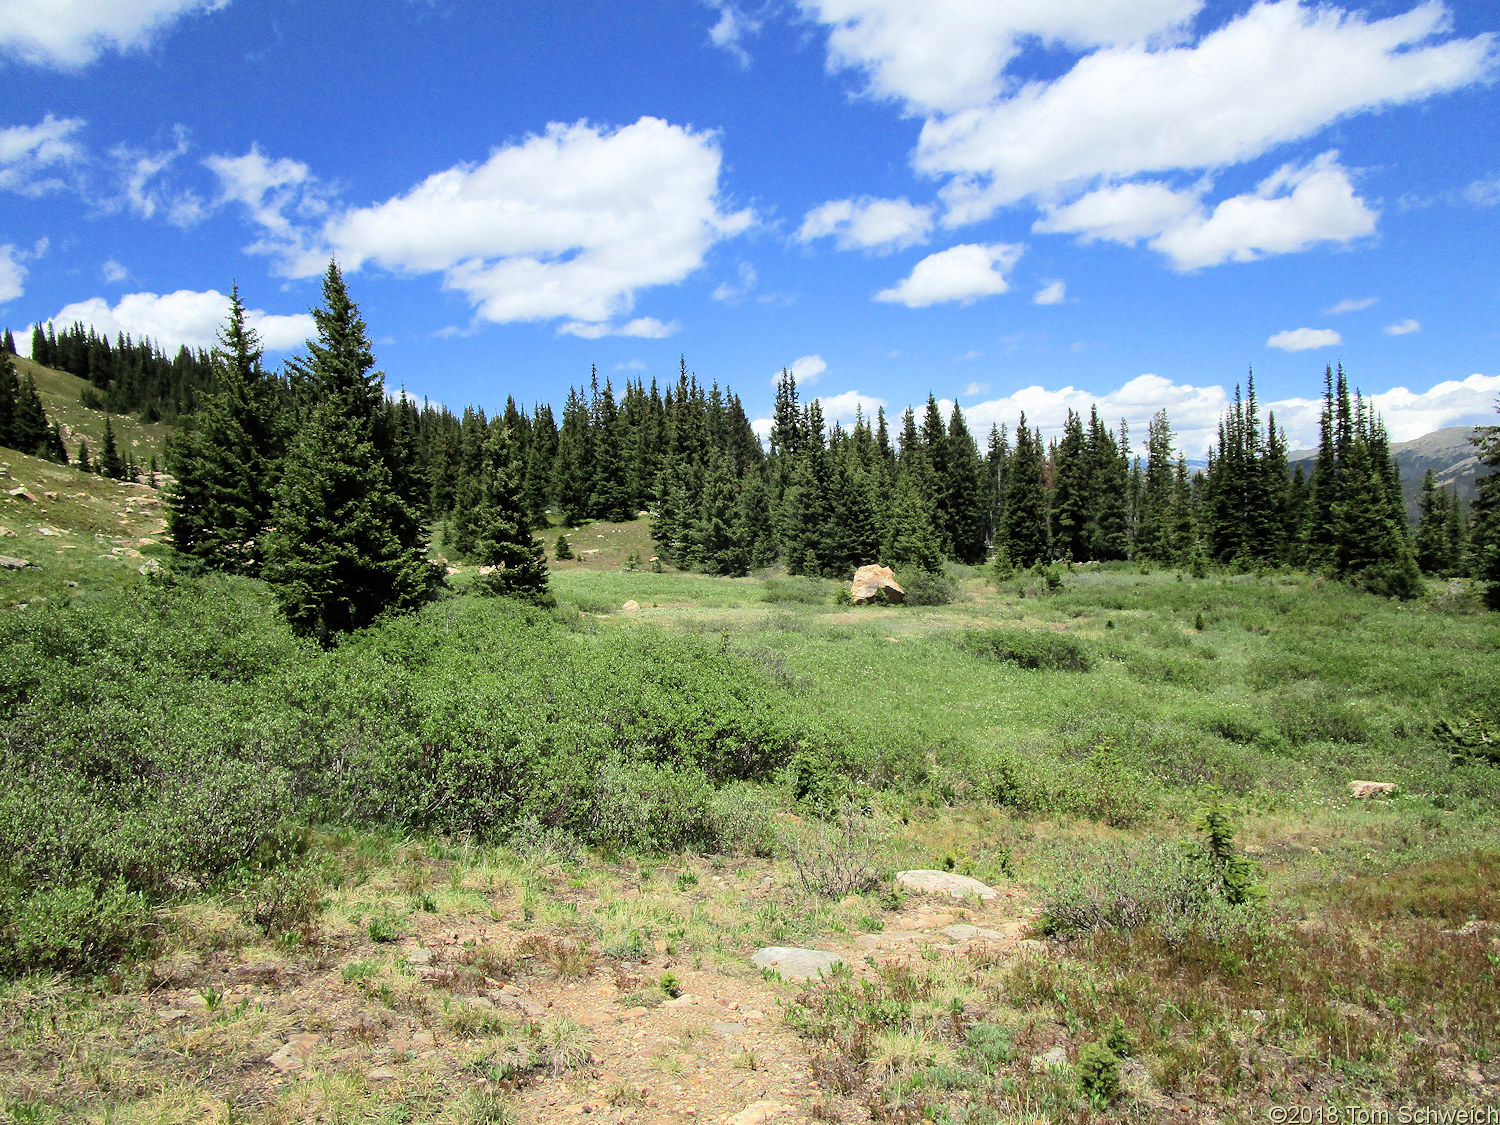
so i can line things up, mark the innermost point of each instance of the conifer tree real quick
(1070, 493)
(1109, 502)
(9, 344)
(539, 461)
(502, 537)
(227, 459)
(84, 465)
(718, 537)
(1432, 541)
(910, 538)
(344, 547)
(110, 463)
(964, 492)
(574, 472)
(1318, 532)
(10, 394)
(757, 528)
(1024, 531)
(1485, 534)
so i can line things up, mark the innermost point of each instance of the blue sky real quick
(1012, 203)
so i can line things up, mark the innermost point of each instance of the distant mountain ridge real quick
(1453, 459)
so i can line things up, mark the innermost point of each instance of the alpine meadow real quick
(667, 736)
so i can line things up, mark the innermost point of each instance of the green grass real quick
(971, 733)
(61, 399)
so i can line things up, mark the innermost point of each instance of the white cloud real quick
(807, 370)
(962, 273)
(1409, 415)
(140, 173)
(843, 408)
(732, 28)
(1351, 304)
(972, 353)
(114, 272)
(1290, 210)
(736, 291)
(1053, 293)
(184, 317)
(1484, 193)
(762, 428)
(645, 327)
(71, 33)
(1195, 411)
(881, 225)
(1263, 79)
(12, 274)
(974, 389)
(1403, 328)
(30, 154)
(1304, 339)
(946, 55)
(566, 224)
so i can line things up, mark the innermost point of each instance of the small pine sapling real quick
(1098, 1074)
(1236, 872)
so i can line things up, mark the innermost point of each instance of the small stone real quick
(796, 964)
(47, 531)
(753, 1015)
(150, 566)
(971, 933)
(946, 883)
(9, 563)
(420, 957)
(1362, 790)
(171, 1015)
(423, 1040)
(728, 1030)
(1057, 1057)
(381, 1074)
(22, 495)
(757, 1112)
(631, 606)
(686, 1000)
(50, 495)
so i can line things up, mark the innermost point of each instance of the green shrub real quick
(923, 587)
(1098, 1074)
(639, 805)
(1117, 886)
(1029, 648)
(72, 927)
(1317, 714)
(287, 905)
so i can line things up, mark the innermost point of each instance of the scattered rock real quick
(381, 1074)
(9, 563)
(757, 1112)
(7, 533)
(870, 580)
(1057, 1057)
(686, 1000)
(1360, 790)
(22, 495)
(420, 957)
(50, 495)
(1031, 945)
(452, 570)
(971, 933)
(946, 883)
(631, 606)
(728, 1030)
(150, 566)
(527, 1007)
(171, 1015)
(753, 1015)
(293, 1054)
(422, 1040)
(796, 964)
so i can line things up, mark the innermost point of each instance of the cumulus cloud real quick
(1053, 293)
(184, 317)
(1411, 414)
(644, 327)
(1351, 304)
(1127, 110)
(1290, 210)
(807, 371)
(974, 389)
(1403, 328)
(962, 273)
(12, 274)
(879, 225)
(1304, 339)
(732, 29)
(114, 272)
(72, 33)
(849, 405)
(737, 290)
(947, 55)
(568, 224)
(32, 155)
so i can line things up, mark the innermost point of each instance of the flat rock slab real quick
(758, 1112)
(1363, 790)
(796, 964)
(946, 883)
(971, 933)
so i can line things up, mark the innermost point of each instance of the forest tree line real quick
(258, 486)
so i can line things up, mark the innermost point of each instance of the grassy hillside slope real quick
(61, 398)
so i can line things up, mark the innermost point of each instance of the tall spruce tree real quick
(502, 527)
(1485, 534)
(1024, 531)
(226, 461)
(10, 395)
(344, 547)
(1070, 492)
(111, 464)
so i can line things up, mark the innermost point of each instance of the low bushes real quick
(1029, 648)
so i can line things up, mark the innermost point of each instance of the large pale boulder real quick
(945, 883)
(1364, 790)
(796, 964)
(870, 580)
